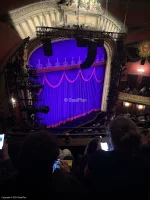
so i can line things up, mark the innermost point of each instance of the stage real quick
(74, 96)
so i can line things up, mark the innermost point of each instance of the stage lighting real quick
(100, 43)
(47, 47)
(26, 75)
(32, 72)
(120, 46)
(32, 109)
(35, 97)
(30, 87)
(82, 42)
(92, 51)
(120, 50)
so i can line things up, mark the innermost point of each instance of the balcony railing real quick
(134, 98)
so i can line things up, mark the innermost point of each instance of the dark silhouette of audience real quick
(91, 148)
(34, 178)
(122, 173)
(144, 91)
(6, 167)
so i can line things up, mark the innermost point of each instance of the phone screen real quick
(1, 140)
(56, 165)
(104, 146)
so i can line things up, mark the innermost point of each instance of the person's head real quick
(38, 153)
(125, 135)
(93, 146)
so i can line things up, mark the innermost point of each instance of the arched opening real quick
(70, 92)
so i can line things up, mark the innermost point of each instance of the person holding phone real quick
(41, 174)
(122, 173)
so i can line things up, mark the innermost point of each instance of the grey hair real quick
(124, 134)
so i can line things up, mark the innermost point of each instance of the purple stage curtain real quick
(65, 53)
(71, 94)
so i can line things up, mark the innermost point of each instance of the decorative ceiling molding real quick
(50, 13)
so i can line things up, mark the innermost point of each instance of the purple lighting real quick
(71, 93)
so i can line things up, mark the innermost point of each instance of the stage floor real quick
(63, 128)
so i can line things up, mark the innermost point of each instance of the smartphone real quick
(1, 141)
(56, 165)
(104, 146)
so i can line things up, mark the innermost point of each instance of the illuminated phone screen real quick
(56, 165)
(1, 140)
(104, 146)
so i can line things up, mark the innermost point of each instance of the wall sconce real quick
(140, 107)
(127, 104)
(13, 101)
(140, 70)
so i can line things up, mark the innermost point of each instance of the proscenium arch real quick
(110, 48)
(50, 13)
(25, 20)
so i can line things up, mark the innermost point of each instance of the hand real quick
(5, 155)
(64, 166)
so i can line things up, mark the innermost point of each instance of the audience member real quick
(145, 148)
(67, 155)
(35, 178)
(64, 153)
(91, 148)
(122, 173)
(142, 91)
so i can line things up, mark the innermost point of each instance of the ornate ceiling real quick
(49, 13)
(135, 14)
(138, 10)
